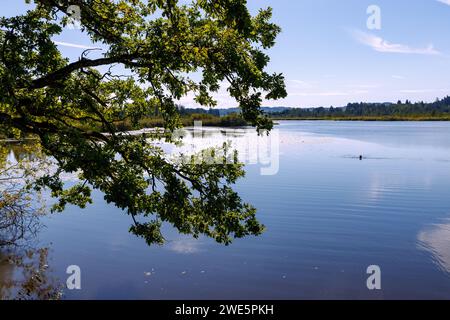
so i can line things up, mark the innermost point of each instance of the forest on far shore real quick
(407, 110)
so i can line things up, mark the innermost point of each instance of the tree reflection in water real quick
(25, 275)
(24, 271)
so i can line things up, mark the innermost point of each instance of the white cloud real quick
(328, 93)
(381, 45)
(416, 91)
(423, 90)
(399, 77)
(447, 2)
(300, 84)
(364, 86)
(74, 45)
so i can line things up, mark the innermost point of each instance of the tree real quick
(152, 48)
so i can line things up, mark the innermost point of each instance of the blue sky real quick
(330, 57)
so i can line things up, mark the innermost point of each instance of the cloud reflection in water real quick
(436, 240)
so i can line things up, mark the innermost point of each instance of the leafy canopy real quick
(153, 51)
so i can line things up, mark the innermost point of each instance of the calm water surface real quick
(328, 216)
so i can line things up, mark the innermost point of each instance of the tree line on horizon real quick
(437, 110)
(407, 109)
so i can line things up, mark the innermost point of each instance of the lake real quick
(329, 215)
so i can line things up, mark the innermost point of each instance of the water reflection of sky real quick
(185, 245)
(436, 240)
(328, 216)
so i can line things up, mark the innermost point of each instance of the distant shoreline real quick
(368, 119)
